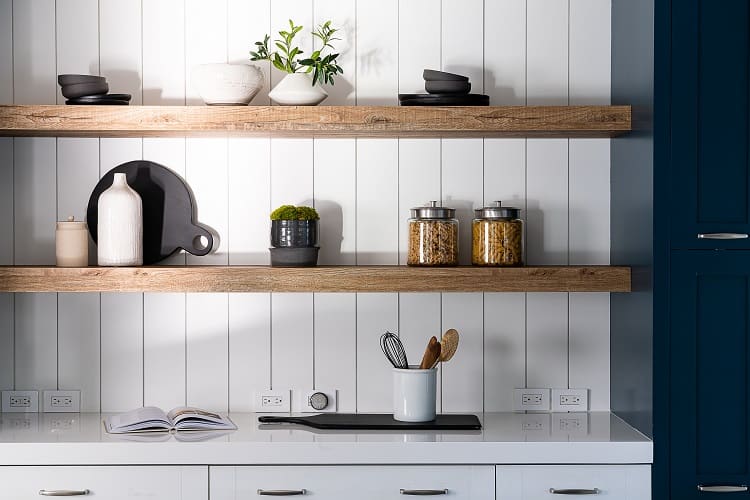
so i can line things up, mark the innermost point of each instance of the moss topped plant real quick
(286, 57)
(290, 212)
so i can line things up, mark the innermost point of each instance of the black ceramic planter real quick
(294, 233)
(294, 257)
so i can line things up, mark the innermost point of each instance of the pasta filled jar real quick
(433, 236)
(497, 236)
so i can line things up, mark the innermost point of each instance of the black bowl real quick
(74, 79)
(447, 87)
(76, 90)
(431, 74)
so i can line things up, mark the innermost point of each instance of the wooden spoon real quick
(431, 354)
(449, 346)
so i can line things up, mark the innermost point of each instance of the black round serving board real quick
(376, 421)
(168, 210)
(443, 100)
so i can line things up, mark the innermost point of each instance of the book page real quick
(187, 418)
(149, 418)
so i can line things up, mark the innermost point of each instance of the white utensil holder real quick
(414, 394)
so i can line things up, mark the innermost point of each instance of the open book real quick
(153, 419)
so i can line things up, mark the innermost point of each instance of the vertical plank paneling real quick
(164, 349)
(419, 43)
(590, 79)
(164, 52)
(6, 257)
(462, 36)
(121, 313)
(547, 193)
(376, 313)
(462, 377)
(36, 341)
(249, 348)
(120, 46)
(504, 348)
(419, 319)
(6, 51)
(336, 346)
(334, 194)
(207, 350)
(34, 52)
(247, 23)
(122, 351)
(205, 39)
(7, 349)
(77, 39)
(377, 52)
(341, 13)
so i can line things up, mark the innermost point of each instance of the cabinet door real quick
(109, 483)
(544, 482)
(710, 365)
(348, 482)
(710, 190)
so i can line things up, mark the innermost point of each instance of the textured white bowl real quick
(296, 89)
(224, 84)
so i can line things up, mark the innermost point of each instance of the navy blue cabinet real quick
(709, 123)
(710, 370)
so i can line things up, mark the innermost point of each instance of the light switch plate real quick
(61, 401)
(529, 399)
(570, 400)
(20, 401)
(305, 402)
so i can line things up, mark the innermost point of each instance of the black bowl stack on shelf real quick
(444, 89)
(89, 89)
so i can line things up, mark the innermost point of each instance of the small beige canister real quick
(72, 243)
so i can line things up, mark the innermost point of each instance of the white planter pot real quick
(296, 89)
(227, 84)
(120, 225)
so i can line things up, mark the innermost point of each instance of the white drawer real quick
(110, 483)
(539, 482)
(354, 482)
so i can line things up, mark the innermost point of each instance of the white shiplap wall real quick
(213, 350)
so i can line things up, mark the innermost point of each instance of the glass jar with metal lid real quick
(497, 236)
(433, 236)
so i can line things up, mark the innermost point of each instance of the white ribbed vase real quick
(120, 225)
(296, 89)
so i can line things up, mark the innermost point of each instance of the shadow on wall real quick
(121, 81)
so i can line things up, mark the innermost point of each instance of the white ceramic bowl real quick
(224, 84)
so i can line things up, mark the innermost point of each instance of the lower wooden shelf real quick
(314, 279)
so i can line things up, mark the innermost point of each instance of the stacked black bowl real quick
(89, 89)
(444, 89)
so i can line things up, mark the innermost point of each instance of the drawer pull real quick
(281, 493)
(575, 491)
(722, 236)
(722, 488)
(422, 493)
(63, 493)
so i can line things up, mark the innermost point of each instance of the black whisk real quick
(394, 350)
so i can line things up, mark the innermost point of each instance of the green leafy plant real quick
(321, 63)
(290, 212)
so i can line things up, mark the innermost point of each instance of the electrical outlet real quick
(20, 401)
(570, 400)
(61, 401)
(276, 401)
(572, 424)
(311, 401)
(531, 399)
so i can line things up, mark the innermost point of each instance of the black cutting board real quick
(168, 210)
(377, 421)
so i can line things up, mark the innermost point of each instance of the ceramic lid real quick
(72, 223)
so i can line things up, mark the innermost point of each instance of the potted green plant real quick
(294, 236)
(301, 85)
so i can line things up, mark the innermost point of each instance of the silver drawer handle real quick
(281, 493)
(722, 236)
(63, 493)
(722, 488)
(575, 491)
(423, 493)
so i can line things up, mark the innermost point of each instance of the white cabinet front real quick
(354, 482)
(547, 482)
(110, 483)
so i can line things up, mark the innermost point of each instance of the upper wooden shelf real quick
(315, 279)
(320, 121)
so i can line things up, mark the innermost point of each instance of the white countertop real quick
(506, 438)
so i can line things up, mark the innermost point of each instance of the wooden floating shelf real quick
(315, 279)
(318, 121)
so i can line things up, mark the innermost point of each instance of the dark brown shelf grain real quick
(315, 279)
(320, 121)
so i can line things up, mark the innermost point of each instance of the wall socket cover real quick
(20, 401)
(331, 395)
(531, 399)
(564, 400)
(272, 401)
(61, 401)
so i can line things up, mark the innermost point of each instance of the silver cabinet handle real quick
(722, 236)
(575, 491)
(63, 493)
(281, 493)
(422, 493)
(723, 488)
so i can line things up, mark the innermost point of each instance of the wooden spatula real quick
(431, 354)
(448, 346)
